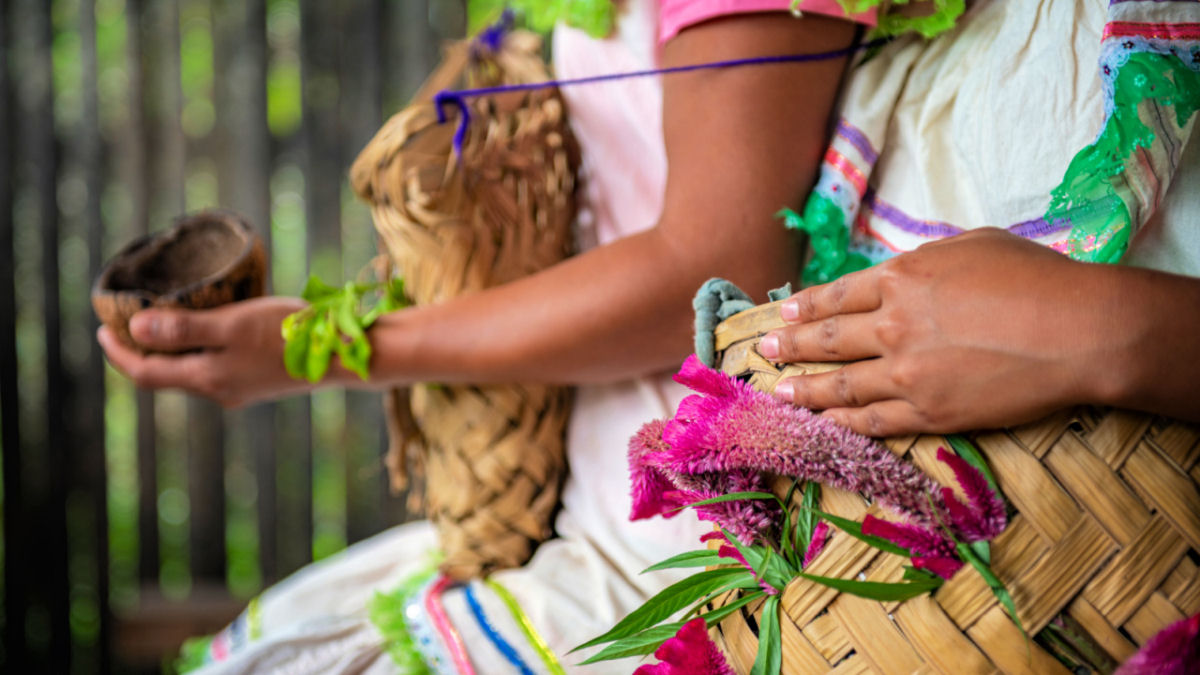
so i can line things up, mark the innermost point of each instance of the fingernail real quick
(769, 346)
(145, 326)
(790, 310)
(785, 391)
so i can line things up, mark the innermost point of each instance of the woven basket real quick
(1104, 544)
(492, 456)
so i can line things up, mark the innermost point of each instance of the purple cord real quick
(459, 98)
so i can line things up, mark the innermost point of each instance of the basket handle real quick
(455, 58)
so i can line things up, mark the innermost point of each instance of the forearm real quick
(1149, 324)
(618, 311)
(740, 144)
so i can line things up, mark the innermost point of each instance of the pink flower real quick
(729, 426)
(819, 536)
(656, 491)
(919, 540)
(728, 437)
(943, 567)
(653, 492)
(730, 551)
(1174, 651)
(983, 516)
(690, 652)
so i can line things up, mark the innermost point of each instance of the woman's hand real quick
(232, 354)
(981, 330)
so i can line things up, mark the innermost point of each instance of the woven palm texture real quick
(492, 455)
(1103, 545)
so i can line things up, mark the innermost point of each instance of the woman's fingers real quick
(848, 337)
(852, 386)
(172, 330)
(152, 371)
(853, 293)
(893, 417)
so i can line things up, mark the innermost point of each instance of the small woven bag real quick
(1103, 548)
(492, 455)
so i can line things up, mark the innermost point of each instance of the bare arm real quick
(740, 144)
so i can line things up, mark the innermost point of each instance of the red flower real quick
(690, 652)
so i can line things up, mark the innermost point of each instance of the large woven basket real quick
(1103, 546)
(492, 456)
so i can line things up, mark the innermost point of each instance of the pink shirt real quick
(675, 15)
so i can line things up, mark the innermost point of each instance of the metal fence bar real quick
(361, 105)
(244, 166)
(15, 565)
(92, 476)
(205, 421)
(137, 153)
(48, 540)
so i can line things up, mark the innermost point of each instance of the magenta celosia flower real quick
(1174, 651)
(819, 536)
(983, 516)
(653, 492)
(690, 652)
(943, 567)
(658, 492)
(728, 437)
(919, 540)
(729, 426)
(731, 552)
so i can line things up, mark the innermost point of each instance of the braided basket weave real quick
(492, 455)
(1103, 545)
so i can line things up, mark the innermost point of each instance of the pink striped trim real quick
(1160, 31)
(437, 613)
(219, 649)
(864, 224)
(844, 166)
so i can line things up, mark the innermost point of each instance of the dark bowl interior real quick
(176, 260)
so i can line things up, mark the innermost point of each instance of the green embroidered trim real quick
(595, 17)
(193, 654)
(829, 240)
(940, 20)
(386, 612)
(535, 639)
(254, 619)
(1093, 179)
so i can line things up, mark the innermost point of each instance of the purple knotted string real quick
(459, 98)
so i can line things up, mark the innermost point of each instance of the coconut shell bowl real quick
(207, 259)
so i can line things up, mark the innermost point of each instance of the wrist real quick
(1116, 367)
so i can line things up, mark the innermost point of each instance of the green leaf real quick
(704, 558)
(316, 290)
(917, 574)
(983, 550)
(806, 519)
(296, 334)
(645, 642)
(668, 601)
(769, 660)
(322, 341)
(747, 583)
(994, 583)
(855, 530)
(723, 611)
(346, 321)
(876, 590)
(793, 551)
(333, 324)
(733, 497)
